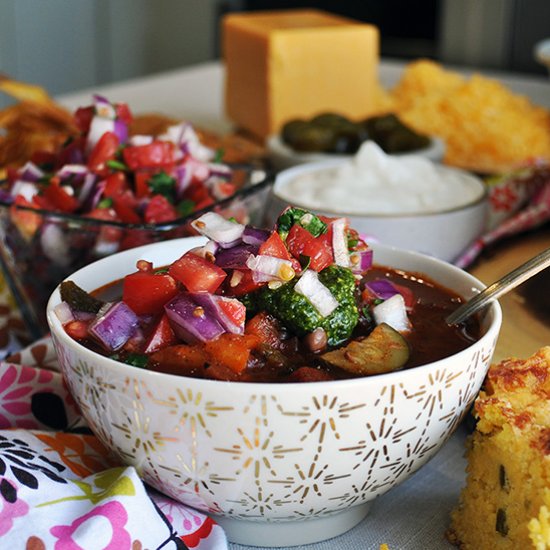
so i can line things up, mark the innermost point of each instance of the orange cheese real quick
(297, 63)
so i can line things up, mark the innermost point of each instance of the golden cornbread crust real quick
(506, 501)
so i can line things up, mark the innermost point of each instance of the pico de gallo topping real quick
(107, 174)
(301, 302)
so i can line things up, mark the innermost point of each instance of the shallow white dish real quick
(443, 234)
(276, 464)
(282, 156)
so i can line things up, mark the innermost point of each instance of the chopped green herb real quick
(185, 207)
(218, 156)
(78, 298)
(105, 203)
(136, 360)
(352, 241)
(304, 261)
(161, 271)
(116, 165)
(307, 220)
(163, 184)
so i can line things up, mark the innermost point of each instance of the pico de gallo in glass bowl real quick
(301, 302)
(105, 190)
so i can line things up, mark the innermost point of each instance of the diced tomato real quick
(204, 203)
(42, 158)
(107, 233)
(197, 192)
(159, 209)
(301, 242)
(234, 309)
(141, 178)
(146, 293)
(232, 350)
(59, 198)
(297, 239)
(408, 295)
(123, 113)
(72, 153)
(225, 189)
(104, 150)
(274, 246)
(245, 283)
(180, 359)
(162, 336)
(123, 207)
(26, 221)
(157, 153)
(197, 274)
(134, 237)
(266, 328)
(320, 252)
(83, 118)
(40, 201)
(77, 329)
(115, 184)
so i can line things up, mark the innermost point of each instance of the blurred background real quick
(67, 45)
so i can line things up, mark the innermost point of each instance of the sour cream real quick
(373, 182)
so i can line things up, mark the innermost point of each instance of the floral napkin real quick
(518, 201)
(60, 488)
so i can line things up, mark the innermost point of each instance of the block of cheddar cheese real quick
(288, 64)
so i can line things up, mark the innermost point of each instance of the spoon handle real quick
(502, 286)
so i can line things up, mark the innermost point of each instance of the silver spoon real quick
(502, 286)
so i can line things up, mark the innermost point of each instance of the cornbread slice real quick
(506, 501)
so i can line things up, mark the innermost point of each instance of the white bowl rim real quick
(493, 309)
(284, 176)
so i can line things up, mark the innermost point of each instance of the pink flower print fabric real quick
(63, 491)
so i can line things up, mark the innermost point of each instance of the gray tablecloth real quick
(413, 516)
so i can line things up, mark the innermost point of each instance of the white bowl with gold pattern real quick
(275, 464)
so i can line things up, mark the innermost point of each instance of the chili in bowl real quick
(231, 426)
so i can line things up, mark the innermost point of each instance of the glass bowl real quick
(40, 248)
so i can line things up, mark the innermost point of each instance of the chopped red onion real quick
(217, 228)
(268, 268)
(382, 288)
(254, 235)
(220, 170)
(114, 325)
(190, 321)
(97, 193)
(393, 312)
(235, 257)
(361, 261)
(121, 131)
(213, 306)
(316, 292)
(64, 313)
(55, 245)
(30, 172)
(24, 188)
(340, 242)
(183, 179)
(103, 107)
(87, 188)
(207, 251)
(72, 170)
(137, 140)
(6, 196)
(98, 127)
